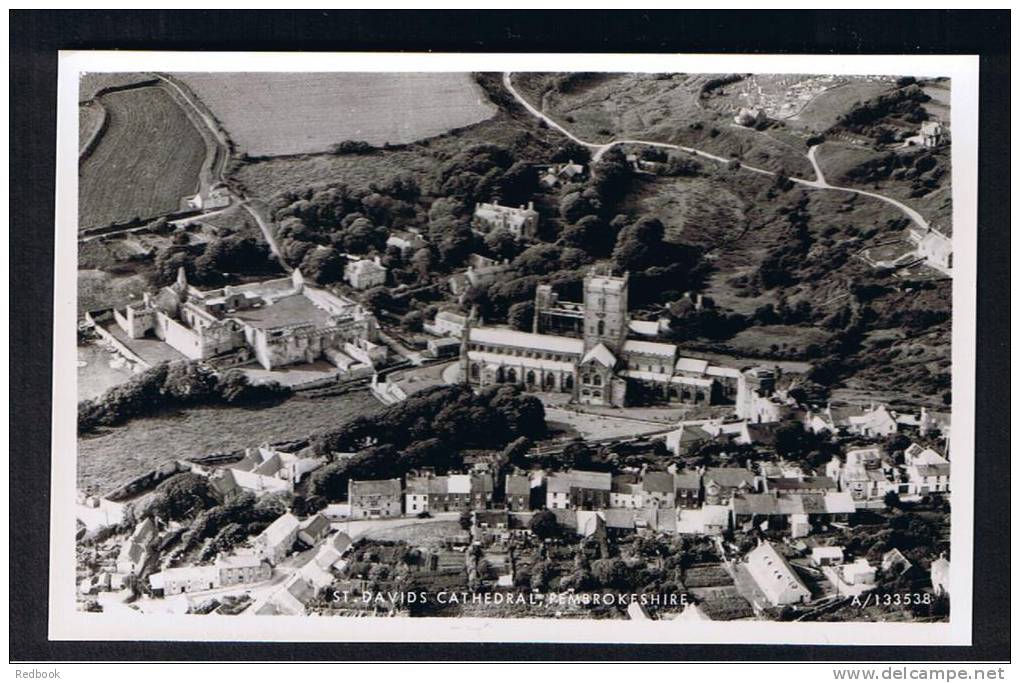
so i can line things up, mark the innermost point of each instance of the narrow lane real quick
(819, 183)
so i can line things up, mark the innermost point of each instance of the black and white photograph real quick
(552, 346)
(509, 336)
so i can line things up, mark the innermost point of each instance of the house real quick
(940, 576)
(332, 550)
(226, 571)
(799, 484)
(447, 324)
(687, 485)
(578, 490)
(721, 483)
(934, 247)
(521, 222)
(708, 520)
(858, 573)
(264, 470)
(687, 437)
(375, 498)
(827, 555)
(276, 542)
(626, 492)
(241, 569)
(518, 492)
(134, 552)
(931, 134)
(177, 580)
(796, 513)
(658, 490)
(561, 173)
(491, 519)
(365, 273)
(927, 471)
(481, 272)
(314, 529)
(867, 476)
(290, 599)
(775, 577)
(451, 493)
(874, 421)
(895, 562)
(446, 347)
(406, 241)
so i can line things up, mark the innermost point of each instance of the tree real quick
(189, 382)
(541, 573)
(610, 573)
(520, 315)
(465, 520)
(544, 524)
(377, 298)
(182, 497)
(323, 265)
(412, 321)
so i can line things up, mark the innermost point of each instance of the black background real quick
(37, 35)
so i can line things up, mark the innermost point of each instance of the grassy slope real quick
(837, 158)
(659, 108)
(148, 159)
(122, 452)
(266, 178)
(271, 114)
(821, 113)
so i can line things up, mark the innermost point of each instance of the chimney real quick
(531, 206)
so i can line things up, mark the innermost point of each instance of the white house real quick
(365, 273)
(775, 577)
(276, 542)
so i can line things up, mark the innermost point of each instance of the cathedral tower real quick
(605, 309)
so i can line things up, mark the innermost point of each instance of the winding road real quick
(217, 173)
(599, 150)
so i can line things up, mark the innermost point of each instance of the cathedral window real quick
(602, 328)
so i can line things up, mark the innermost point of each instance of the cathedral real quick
(585, 349)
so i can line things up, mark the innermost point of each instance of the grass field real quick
(98, 289)
(119, 453)
(149, 157)
(90, 118)
(269, 114)
(267, 178)
(821, 113)
(837, 158)
(698, 211)
(272, 176)
(782, 337)
(420, 534)
(655, 107)
(90, 84)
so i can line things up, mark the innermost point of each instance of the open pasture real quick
(148, 158)
(272, 114)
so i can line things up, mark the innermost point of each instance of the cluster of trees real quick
(428, 429)
(921, 167)
(169, 385)
(780, 266)
(906, 103)
(218, 524)
(213, 263)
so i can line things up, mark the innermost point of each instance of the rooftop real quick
(526, 340)
(288, 311)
